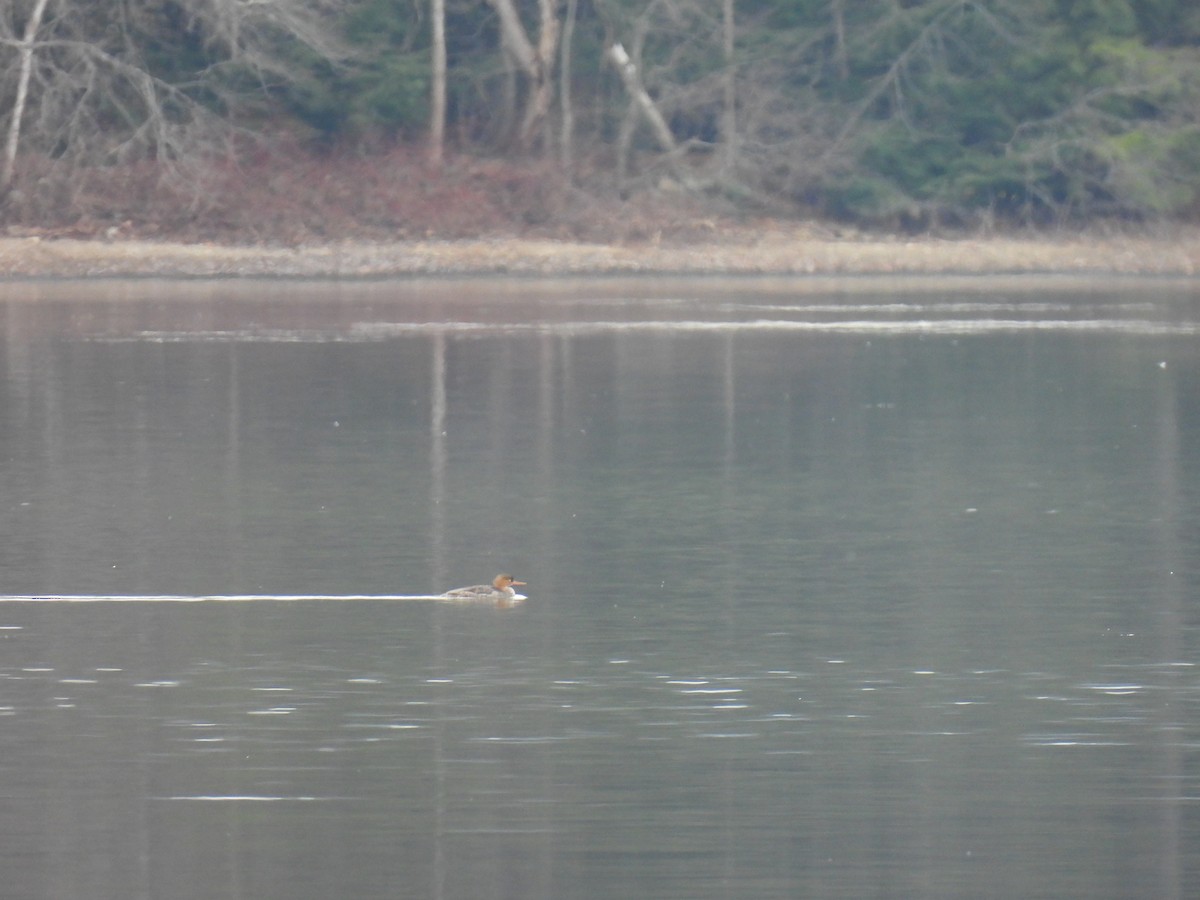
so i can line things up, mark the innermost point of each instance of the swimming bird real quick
(499, 591)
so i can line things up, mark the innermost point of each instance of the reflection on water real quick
(832, 593)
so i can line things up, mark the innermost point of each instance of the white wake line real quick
(367, 330)
(225, 598)
(249, 798)
(375, 331)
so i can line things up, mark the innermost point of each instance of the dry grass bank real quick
(772, 250)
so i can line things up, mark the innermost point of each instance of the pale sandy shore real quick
(775, 252)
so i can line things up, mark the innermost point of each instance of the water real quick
(836, 589)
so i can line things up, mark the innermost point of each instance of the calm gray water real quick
(836, 590)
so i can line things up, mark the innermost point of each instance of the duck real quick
(499, 591)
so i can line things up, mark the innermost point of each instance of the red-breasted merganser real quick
(499, 591)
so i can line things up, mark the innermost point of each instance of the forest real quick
(289, 120)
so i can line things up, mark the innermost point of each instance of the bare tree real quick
(640, 98)
(566, 142)
(536, 61)
(437, 112)
(95, 88)
(692, 119)
(841, 60)
(24, 70)
(729, 136)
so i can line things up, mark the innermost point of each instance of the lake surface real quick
(836, 589)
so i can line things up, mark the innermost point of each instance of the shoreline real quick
(766, 253)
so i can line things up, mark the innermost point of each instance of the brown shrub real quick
(282, 192)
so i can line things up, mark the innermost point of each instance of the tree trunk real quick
(641, 98)
(566, 143)
(547, 51)
(625, 144)
(729, 111)
(437, 114)
(841, 61)
(25, 54)
(536, 62)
